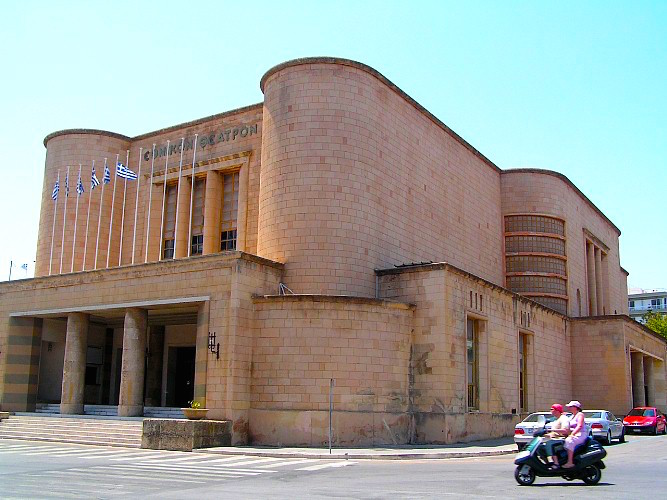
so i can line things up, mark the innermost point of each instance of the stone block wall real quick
(445, 297)
(301, 342)
(601, 360)
(357, 176)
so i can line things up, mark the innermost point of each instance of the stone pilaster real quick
(212, 207)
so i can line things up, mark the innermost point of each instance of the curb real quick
(359, 456)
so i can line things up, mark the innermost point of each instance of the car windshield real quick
(540, 418)
(592, 414)
(642, 412)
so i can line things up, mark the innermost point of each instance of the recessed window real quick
(197, 244)
(230, 204)
(168, 250)
(169, 222)
(472, 363)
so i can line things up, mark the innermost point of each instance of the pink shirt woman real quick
(577, 434)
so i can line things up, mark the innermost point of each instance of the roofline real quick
(155, 132)
(568, 182)
(355, 64)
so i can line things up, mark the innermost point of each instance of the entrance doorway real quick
(180, 376)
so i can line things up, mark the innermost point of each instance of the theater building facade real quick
(336, 230)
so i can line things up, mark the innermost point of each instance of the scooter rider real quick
(560, 428)
(577, 432)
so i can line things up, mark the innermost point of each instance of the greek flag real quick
(56, 190)
(67, 184)
(125, 173)
(79, 186)
(94, 182)
(107, 175)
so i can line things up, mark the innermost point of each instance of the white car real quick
(540, 420)
(605, 426)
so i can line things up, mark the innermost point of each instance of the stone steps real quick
(101, 432)
(112, 411)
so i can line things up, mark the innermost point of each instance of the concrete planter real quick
(194, 413)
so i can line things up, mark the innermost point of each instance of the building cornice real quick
(192, 123)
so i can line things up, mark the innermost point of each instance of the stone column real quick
(154, 366)
(212, 208)
(182, 219)
(242, 214)
(637, 367)
(599, 294)
(74, 366)
(649, 381)
(131, 401)
(592, 295)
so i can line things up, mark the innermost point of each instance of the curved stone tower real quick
(358, 176)
(64, 149)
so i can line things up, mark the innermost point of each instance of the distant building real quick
(647, 300)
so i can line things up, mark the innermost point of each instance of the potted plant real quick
(195, 411)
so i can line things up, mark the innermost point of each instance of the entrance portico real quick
(141, 360)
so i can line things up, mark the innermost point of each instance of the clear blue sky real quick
(576, 87)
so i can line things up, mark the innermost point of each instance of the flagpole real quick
(150, 199)
(53, 230)
(122, 218)
(178, 199)
(164, 202)
(76, 217)
(62, 243)
(113, 200)
(136, 204)
(99, 216)
(85, 245)
(192, 195)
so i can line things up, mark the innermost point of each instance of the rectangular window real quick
(198, 196)
(168, 250)
(230, 204)
(197, 245)
(472, 363)
(169, 222)
(523, 370)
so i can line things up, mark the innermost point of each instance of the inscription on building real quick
(203, 141)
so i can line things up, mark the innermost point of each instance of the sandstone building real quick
(337, 230)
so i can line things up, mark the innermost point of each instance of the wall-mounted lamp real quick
(212, 346)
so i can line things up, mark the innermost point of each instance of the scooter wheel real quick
(524, 475)
(592, 474)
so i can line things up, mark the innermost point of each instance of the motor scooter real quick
(532, 461)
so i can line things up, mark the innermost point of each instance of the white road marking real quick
(289, 462)
(331, 464)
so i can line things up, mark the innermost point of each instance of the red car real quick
(645, 418)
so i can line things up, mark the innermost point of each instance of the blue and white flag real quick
(67, 183)
(94, 182)
(125, 173)
(79, 186)
(24, 267)
(107, 175)
(56, 190)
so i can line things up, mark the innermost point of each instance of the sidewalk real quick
(485, 448)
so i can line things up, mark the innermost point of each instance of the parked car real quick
(524, 430)
(645, 419)
(605, 426)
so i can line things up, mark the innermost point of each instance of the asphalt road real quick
(40, 470)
